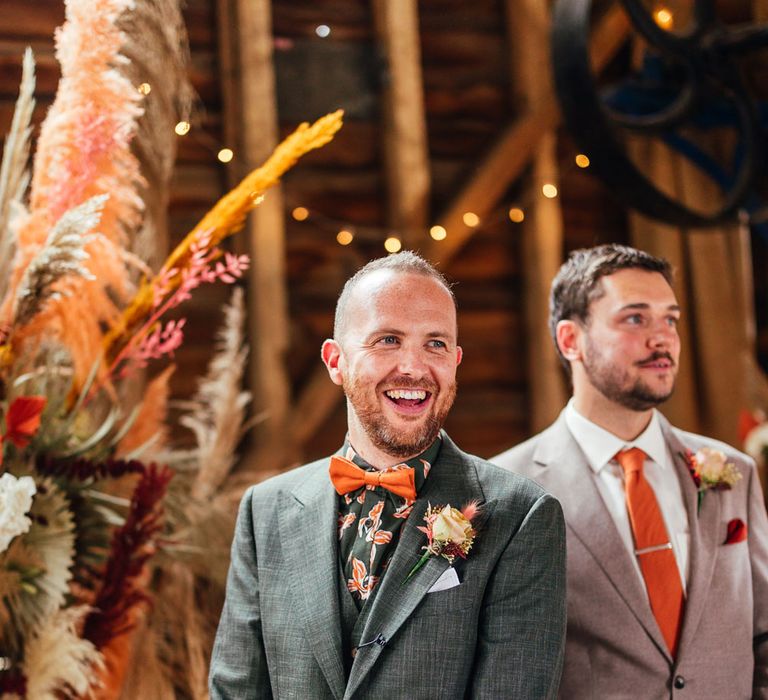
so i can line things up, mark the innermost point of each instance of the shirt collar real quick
(600, 446)
(421, 464)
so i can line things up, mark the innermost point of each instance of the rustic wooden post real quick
(528, 30)
(406, 156)
(250, 100)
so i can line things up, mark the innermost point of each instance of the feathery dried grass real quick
(148, 676)
(61, 256)
(14, 175)
(217, 421)
(182, 642)
(150, 422)
(56, 657)
(84, 150)
(158, 51)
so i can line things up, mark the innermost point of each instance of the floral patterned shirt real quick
(370, 519)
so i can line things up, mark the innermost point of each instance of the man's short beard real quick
(610, 382)
(394, 443)
(387, 438)
(636, 398)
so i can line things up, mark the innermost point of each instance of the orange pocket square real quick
(737, 531)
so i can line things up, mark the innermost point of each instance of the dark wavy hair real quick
(578, 282)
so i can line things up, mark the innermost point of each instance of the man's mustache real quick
(405, 382)
(656, 356)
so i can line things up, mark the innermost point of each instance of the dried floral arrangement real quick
(98, 513)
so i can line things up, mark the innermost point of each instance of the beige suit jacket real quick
(614, 648)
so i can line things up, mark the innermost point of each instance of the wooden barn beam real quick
(406, 156)
(528, 23)
(500, 168)
(517, 145)
(250, 99)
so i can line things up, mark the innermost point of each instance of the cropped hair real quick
(406, 262)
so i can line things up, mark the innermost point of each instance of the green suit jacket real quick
(498, 634)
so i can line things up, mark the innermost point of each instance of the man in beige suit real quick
(667, 532)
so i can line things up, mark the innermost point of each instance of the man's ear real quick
(459, 355)
(568, 335)
(333, 360)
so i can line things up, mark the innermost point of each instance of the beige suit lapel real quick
(565, 472)
(308, 534)
(703, 527)
(454, 481)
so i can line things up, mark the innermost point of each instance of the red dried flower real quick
(132, 546)
(23, 419)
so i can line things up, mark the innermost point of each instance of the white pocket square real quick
(448, 579)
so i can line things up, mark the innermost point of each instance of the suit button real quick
(679, 682)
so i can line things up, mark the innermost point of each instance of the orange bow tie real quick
(346, 476)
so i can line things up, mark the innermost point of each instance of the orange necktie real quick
(346, 476)
(653, 548)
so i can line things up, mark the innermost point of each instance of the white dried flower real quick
(15, 502)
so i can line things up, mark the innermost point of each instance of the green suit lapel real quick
(308, 533)
(452, 480)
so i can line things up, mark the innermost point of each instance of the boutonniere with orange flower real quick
(449, 532)
(711, 471)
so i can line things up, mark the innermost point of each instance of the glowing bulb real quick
(470, 219)
(182, 128)
(438, 233)
(344, 237)
(516, 215)
(392, 244)
(582, 161)
(549, 191)
(300, 213)
(145, 88)
(664, 18)
(225, 155)
(322, 30)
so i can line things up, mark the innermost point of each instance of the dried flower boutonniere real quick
(711, 471)
(449, 532)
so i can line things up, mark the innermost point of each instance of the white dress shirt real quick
(600, 448)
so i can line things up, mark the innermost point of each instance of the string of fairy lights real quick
(347, 232)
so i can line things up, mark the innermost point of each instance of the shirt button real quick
(679, 682)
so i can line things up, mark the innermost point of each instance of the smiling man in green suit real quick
(332, 592)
